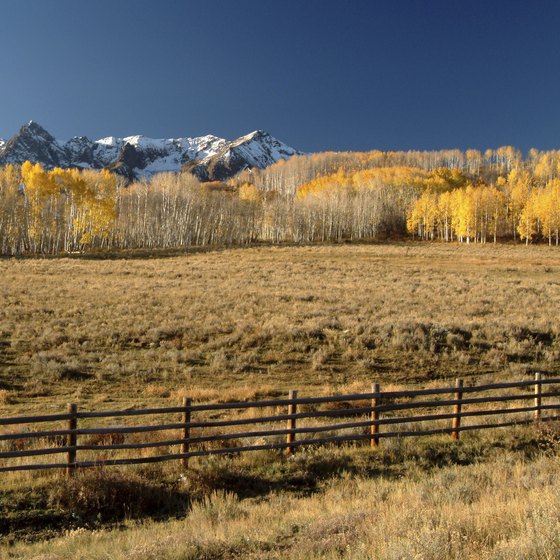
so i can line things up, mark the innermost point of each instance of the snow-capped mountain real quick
(209, 157)
(32, 140)
(257, 149)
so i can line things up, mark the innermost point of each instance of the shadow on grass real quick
(162, 253)
(107, 497)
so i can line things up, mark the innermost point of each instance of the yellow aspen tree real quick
(547, 209)
(413, 224)
(464, 213)
(519, 187)
(528, 220)
(554, 194)
(423, 215)
(13, 219)
(474, 162)
(41, 191)
(445, 212)
(546, 167)
(104, 205)
(495, 210)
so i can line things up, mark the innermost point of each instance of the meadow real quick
(259, 321)
(491, 496)
(110, 331)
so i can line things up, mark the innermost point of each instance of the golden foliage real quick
(84, 200)
(249, 192)
(447, 194)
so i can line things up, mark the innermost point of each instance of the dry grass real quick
(5, 397)
(223, 324)
(506, 508)
(253, 323)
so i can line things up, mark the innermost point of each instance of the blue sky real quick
(318, 74)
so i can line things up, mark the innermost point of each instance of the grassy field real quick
(493, 495)
(232, 324)
(145, 330)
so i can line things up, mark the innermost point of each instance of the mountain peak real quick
(209, 157)
(257, 134)
(35, 129)
(32, 143)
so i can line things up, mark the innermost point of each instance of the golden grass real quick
(254, 323)
(507, 508)
(241, 323)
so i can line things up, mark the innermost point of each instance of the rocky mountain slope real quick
(208, 157)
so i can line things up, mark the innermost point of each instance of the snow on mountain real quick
(209, 157)
(34, 140)
(257, 149)
(260, 149)
(79, 152)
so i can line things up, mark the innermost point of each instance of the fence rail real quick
(364, 414)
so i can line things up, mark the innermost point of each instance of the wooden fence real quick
(368, 417)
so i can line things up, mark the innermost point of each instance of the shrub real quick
(113, 495)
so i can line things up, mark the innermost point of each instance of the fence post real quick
(185, 446)
(291, 436)
(375, 388)
(457, 409)
(538, 396)
(71, 439)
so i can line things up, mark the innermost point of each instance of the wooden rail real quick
(357, 417)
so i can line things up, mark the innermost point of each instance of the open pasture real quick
(139, 331)
(251, 323)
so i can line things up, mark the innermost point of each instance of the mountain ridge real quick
(136, 157)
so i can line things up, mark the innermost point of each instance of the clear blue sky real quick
(318, 74)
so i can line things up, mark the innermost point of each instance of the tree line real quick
(447, 195)
(516, 206)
